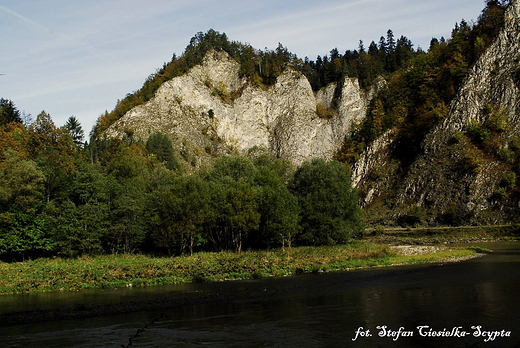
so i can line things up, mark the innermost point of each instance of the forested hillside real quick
(418, 95)
(441, 141)
(61, 196)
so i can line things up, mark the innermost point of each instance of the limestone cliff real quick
(212, 110)
(454, 178)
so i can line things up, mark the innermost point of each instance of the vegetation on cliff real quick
(452, 159)
(262, 67)
(418, 96)
(445, 66)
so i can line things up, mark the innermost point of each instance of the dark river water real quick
(474, 303)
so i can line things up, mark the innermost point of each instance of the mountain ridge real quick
(211, 110)
(457, 164)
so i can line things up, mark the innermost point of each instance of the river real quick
(474, 303)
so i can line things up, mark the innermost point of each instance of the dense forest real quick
(61, 196)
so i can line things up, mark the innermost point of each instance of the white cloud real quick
(24, 19)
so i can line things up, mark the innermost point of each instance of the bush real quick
(324, 112)
(478, 133)
(330, 214)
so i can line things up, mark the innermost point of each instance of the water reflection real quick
(305, 311)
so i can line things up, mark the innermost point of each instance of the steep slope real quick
(467, 170)
(212, 110)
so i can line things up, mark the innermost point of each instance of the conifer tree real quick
(9, 112)
(73, 126)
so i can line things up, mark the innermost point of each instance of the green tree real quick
(233, 213)
(233, 167)
(61, 220)
(79, 220)
(128, 162)
(13, 136)
(91, 196)
(233, 203)
(21, 184)
(24, 237)
(390, 58)
(181, 215)
(127, 229)
(53, 150)
(73, 127)
(261, 157)
(161, 146)
(128, 176)
(329, 210)
(21, 202)
(9, 112)
(278, 209)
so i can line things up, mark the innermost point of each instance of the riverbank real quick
(442, 235)
(124, 271)
(116, 271)
(248, 311)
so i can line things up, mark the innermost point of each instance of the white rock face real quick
(211, 108)
(494, 80)
(377, 155)
(440, 180)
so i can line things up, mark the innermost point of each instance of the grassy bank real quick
(438, 235)
(137, 270)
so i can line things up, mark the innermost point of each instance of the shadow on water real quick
(325, 310)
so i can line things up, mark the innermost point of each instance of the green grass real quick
(439, 235)
(112, 271)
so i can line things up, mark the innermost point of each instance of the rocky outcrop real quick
(212, 110)
(453, 178)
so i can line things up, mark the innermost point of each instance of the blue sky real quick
(76, 57)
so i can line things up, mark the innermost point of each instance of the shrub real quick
(324, 112)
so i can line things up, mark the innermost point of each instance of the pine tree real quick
(76, 132)
(9, 112)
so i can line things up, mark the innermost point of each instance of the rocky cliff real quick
(466, 169)
(212, 110)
